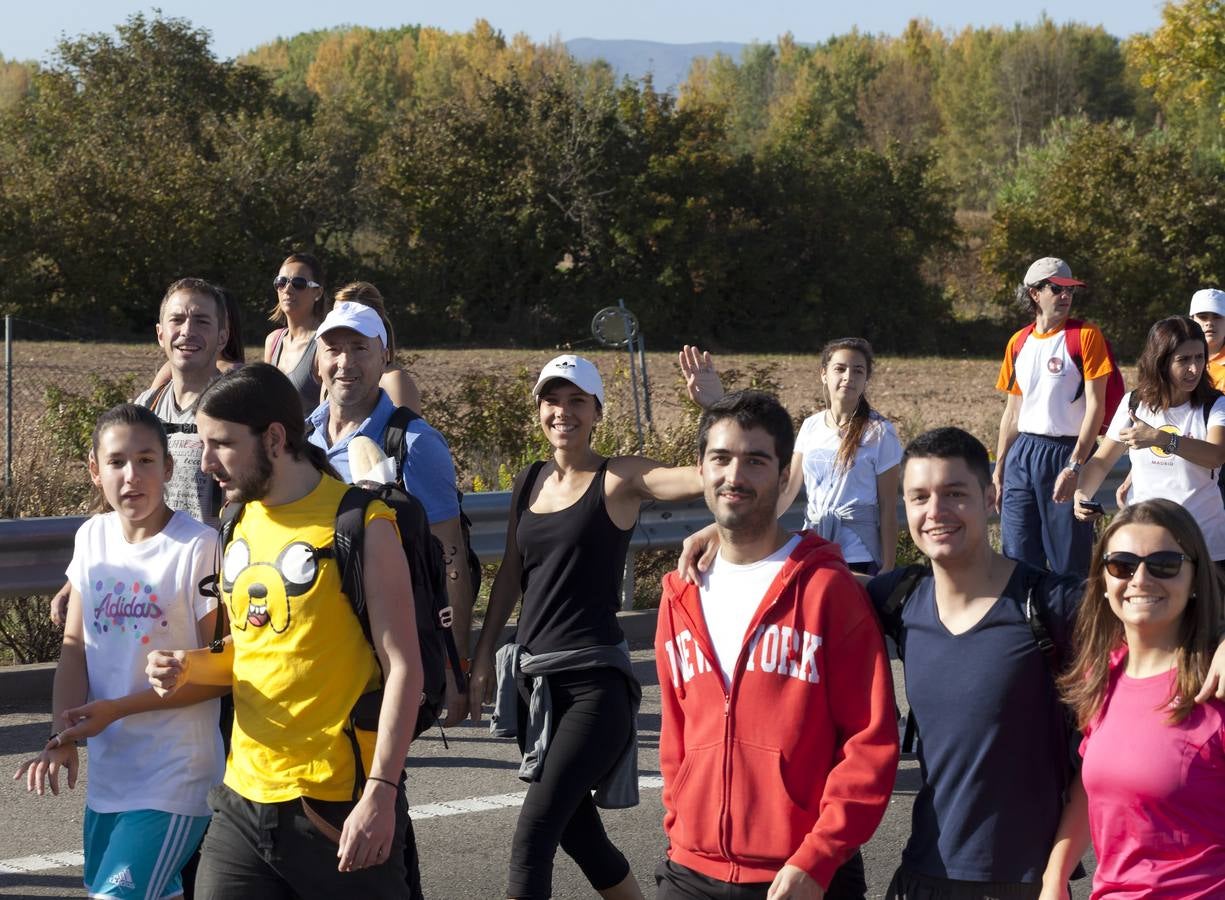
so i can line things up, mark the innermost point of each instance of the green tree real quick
(115, 173)
(1135, 214)
(1183, 62)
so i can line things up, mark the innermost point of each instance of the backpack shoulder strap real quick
(348, 546)
(891, 614)
(276, 344)
(1037, 615)
(1022, 337)
(393, 435)
(523, 493)
(891, 621)
(156, 397)
(1209, 402)
(211, 586)
(1072, 335)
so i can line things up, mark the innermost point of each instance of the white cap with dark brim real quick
(580, 372)
(356, 317)
(1209, 300)
(1052, 269)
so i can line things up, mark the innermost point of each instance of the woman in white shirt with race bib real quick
(1173, 429)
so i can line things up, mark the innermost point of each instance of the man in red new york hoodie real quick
(779, 743)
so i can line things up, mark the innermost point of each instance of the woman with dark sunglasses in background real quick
(1173, 429)
(300, 307)
(1152, 786)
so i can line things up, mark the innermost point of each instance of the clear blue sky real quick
(31, 29)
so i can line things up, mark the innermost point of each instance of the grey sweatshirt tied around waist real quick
(619, 788)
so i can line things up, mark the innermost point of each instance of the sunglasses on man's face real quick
(1162, 564)
(298, 283)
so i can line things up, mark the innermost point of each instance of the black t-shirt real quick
(993, 743)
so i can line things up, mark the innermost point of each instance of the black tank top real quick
(573, 563)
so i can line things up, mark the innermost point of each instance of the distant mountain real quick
(667, 63)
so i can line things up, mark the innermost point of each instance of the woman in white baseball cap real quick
(571, 519)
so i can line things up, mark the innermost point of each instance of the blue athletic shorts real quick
(139, 854)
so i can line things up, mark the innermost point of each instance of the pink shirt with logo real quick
(1156, 793)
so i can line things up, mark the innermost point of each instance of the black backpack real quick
(393, 448)
(433, 611)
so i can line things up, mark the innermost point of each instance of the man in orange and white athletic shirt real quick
(1050, 424)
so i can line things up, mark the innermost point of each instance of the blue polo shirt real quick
(427, 470)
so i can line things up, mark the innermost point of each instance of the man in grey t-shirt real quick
(191, 330)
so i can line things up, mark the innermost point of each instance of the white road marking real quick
(43, 861)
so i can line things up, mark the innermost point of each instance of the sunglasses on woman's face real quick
(1162, 564)
(298, 283)
(1058, 289)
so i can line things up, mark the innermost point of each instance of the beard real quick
(750, 519)
(254, 483)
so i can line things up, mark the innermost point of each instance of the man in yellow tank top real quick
(309, 802)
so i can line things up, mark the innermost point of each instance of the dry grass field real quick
(916, 392)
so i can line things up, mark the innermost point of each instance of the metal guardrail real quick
(35, 552)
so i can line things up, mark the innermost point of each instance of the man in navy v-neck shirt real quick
(994, 748)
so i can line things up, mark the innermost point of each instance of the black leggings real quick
(591, 727)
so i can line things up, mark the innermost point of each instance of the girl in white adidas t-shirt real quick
(1173, 429)
(136, 576)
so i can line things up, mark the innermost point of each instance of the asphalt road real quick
(464, 803)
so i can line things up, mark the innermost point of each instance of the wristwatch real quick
(1072, 466)
(1172, 447)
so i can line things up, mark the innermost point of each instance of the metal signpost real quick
(616, 327)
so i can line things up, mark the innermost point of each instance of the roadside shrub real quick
(49, 479)
(46, 482)
(69, 417)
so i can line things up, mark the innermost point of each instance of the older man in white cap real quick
(1054, 373)
(350, 356)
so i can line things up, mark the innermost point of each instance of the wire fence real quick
(45, 363)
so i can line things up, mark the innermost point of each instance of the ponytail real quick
(317, 457)
(853, 434)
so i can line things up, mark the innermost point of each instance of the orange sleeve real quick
(1216, 373)
(1006, 373)
(1093, 350)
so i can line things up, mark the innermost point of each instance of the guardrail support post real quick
(8, 402)
(627, 583)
